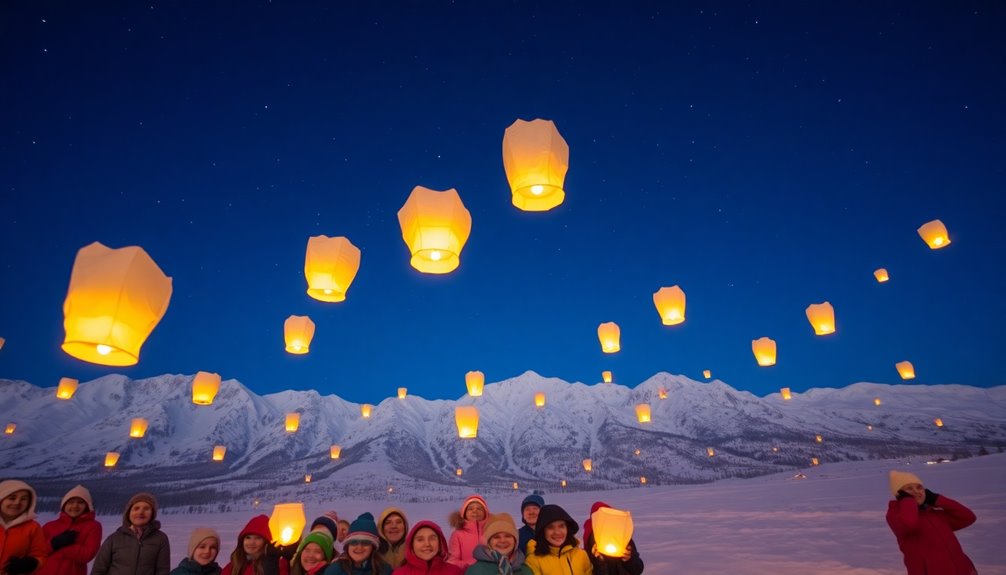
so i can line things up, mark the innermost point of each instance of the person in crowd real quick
(924, 523)
(329, 523)
(23, 547)
(554, 549)
(314, 553)
(343, 527)
(468, 523)
(204, 546)
(426, 552)
(360, 555)
(500, 554)
(529, 516)
(138, 547)
(254, 554)
(628, 563)
(392, 527)
(74, 536)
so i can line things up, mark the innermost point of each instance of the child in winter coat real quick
(499, 555)
(360, 556)
(468, 524)
(74, 536)
(529, 509)
(924, 523)
(22, 543)
(204, 546)
(392, 527)
(629, 563)
(254, 554)
(313, 554)
(139, 547)
(426, 552)
(554, 550)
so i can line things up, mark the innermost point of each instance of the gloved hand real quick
(901, 495)
(931, 498)
(65, 538)
(20, 565)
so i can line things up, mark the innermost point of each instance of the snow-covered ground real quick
(832, 522)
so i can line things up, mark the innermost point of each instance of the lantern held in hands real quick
(287, 522)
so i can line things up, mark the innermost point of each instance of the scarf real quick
(505, 564)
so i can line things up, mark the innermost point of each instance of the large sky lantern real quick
(643, 413)
(219, 451)
(111, 459)
(466, 417)
(786, 394)
(935, 234)
(642, 480)
(365, 410)
(205, 386)
(138, 427)
(609, 334)
(764, 351)
(905, 369)
(10, 429)
(670, 302)
(66, 388)
(815, 461)
(606, 376)
(330, 266)
(298, 331)
(335, 452)
(588, 465)
(307, 478)
(539, 399)
(535, 158)
(115, 299)
(881, 275)
(292, 422)
(435, 226)
(819, 438)
(710, 452)
(402, 392)
(876, 401)
(612, 530)
(475, 381)
(822, 318)
(707, 373)
(459, 472)
(287, 522)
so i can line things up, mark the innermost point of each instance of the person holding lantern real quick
(392, 527)
(924, 523)
(627, 563)
(499, 555)
(529, 509)
(203, 549)
(426, 552)
(74, 536)
(554, 549)
(22, 542)
(468, 524)
(139, 546)
(254, 554)
(314, 553)
(360, 555)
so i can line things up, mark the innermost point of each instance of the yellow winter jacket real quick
(569, 560)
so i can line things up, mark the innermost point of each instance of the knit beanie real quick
(199, 534)
(533, 499)
(322, 539)
(79, 492)
(899, 479)
(363, 528)
(499, 523)
(140, 497)
(324, 522)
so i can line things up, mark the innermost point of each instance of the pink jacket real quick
(467, 534)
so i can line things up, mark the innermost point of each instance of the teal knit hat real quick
(363, 528)
(322, 539)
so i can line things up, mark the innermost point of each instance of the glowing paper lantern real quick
(9, 430)
(786, 394)
(938, 422)
(458, 472)
(515, 485)
(662, 393)
(138, 427)
(466, 417)
(539, 399)
(905, 369)
(535, 158)
(609, 335)
(869, 428)
(710, 452)
(292, 423)
(562, 483)
(307, 478)
(707, 374)
(402, 392)
(642, 480)
(435, 225)
(822, 317)
(116, 298)
(643, 412)
(2, 341)
(935, 235)
(876, 401)
(775, 450)
(365, 410)
(818, 438)
(218, 452)
(612, 529)
(330, 265)
(111, 459)
(298, 331)
(588, 465)
(475, 381)
(670, 302)
(764, 351)
(205, 387)
(335, 451)
(287, 522)
(66, 388)
(881, 275)
(636, 452)
(814, 461)
(606, 376)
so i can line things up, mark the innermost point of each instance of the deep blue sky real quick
(762, 157)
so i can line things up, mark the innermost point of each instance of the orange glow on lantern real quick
(466, 418)
(707, 374)
(292, 423)
(881, 275)
(535, 159)
(515, 485)
(764, 351)
(606, 376)
(938, 422)
(298, 331)
(205, 386)
(822, 317)
(588, 465)
(66, 388)
(138, 427)
(539, 399)
(287, 522)
(365, 410)
(612, 529)
(330, 265)
(814, 461)
(475, 381)
(335, 451)
(642, 480)
(435, 226)
(710, 452)
(876, 401)
(935, 235)
(818, 438)
(402, 392)
(218, 452)
(9, 430)
(670, 303)
(307, 478)
(458, 472)
(111, 459)
(905, 369)
(786, 394)
(662, 393)
(609, 334)
(643, 413)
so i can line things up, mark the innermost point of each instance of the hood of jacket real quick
(11, 486)
(410, 556)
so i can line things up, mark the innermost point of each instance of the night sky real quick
(763, 157)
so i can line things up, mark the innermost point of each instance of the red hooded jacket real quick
(72, 559)
(437, 566)
(926, 535)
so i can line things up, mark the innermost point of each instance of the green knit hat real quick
(324, 540)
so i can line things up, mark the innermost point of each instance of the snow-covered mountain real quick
(409, 447)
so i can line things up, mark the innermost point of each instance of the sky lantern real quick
(876, 401)
(116, 298)
(938, 422)
(935, 235)
(786, 394)
(775, 450)
(515, 486)
(612, 530)
(535, 159)
(218, 452)
(562, 483)
(588, 465)
(869, 427)
(9, 430)
(111, 459)
(539, 399)
(606, 376)
(298, 331)
(402, 392)
(822, 318)
(710, 452)
(138, 427)
(205, 386)
(764, 351)
(475, 381)
(365, 410)
(307, 478)
(458, 472)
(905, 369)
(662, 393)
(330, 265)
(435, 225)
(636, 451)
(609, 335)
(466, 417)
(707, 373)
(818, 438)
(287, 522)
(670, 302)
(881, 275)
(2, 341)
(643, 412)
(292, 423)
(335, 451)
(66, 388)
(814, 461)
(642, 480)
